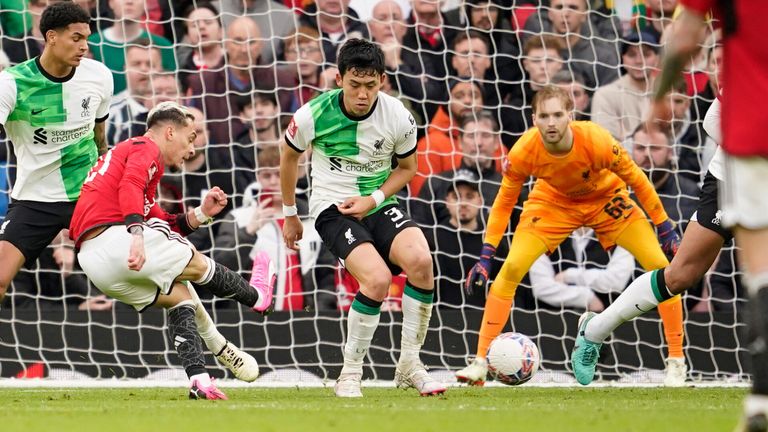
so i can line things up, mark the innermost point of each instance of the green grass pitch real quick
(382, 409)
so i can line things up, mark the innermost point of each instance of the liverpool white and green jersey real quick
(50, 121)
(350, 156)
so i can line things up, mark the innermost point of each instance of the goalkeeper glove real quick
(478, 276)
(670, 241)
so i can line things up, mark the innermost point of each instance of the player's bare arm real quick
(100, 137)
(688, 31)
(213, 203)
(359, 206)
(289, 174)
(136, 256)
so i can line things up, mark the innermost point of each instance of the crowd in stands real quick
(467, 70)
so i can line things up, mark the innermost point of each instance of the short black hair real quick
(360, 54)
(59, 15)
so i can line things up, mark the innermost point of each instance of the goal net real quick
(54, 324)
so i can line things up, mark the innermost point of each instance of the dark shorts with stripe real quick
(32, 225)
(343, 233)
(708, 212)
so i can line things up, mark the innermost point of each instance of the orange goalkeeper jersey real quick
(589, 174)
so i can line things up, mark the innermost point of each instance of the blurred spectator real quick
(131, 113)
(214, 91)
(436, 149)
(480, 154)
(108, 46)
(490, 19)
(261, 115)
(203, 47)
(595, 57)
(581, 274)
(654, 154)
(541, 61)
(425, 50)
(272, 17)
(336, 22)
(257, 226)
(574, 84)
(620, 106)
(22, 39)
(457, 242)
(141, 60)
(303, 52)
(655, 16)
(690, 138)
(472, 58)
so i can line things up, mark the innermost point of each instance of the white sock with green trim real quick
(641, 296)
(417, 310)
(362, 320)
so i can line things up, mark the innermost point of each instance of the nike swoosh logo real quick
(38, 111)
(491, 323)
(398, 225)
(638, 308)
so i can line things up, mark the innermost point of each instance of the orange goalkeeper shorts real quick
(553, 221)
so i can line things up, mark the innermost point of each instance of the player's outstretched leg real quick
(242, 365)
(756, 405)
(189, 346)
(585, 353)
(223, 282)
(410, 372)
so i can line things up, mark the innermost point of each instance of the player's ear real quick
(383, 79)
(338, 80)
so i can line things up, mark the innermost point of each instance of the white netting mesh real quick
(246, 77)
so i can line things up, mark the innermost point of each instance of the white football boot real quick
(348, 386)
(675, 372)
(242, 364)
(413, 374)
(474, 374)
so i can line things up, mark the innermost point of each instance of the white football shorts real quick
(104, 259)
(744, 193)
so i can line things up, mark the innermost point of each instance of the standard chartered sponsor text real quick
(59, 136)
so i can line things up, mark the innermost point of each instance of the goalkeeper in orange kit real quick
(582, 176)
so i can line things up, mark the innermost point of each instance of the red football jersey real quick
(745, 69)
(122, 185)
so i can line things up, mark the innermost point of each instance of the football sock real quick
(671, 312)
(757, 331)
(417, 310)
(495, 316)
(183, 332)
(208, 331)
(225, 283)
(362, 321)
(641, 296)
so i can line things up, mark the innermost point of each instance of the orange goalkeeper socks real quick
(495, 316)
(671, 312)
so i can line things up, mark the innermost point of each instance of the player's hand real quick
(293, 230)
(357, 207)
(97, 303)
(214, 202)
(261, 213)
(136, 257)
(668, 238)
(479, 275)
(65, 259)
(659, 116)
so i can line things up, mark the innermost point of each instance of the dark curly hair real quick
(60, 15)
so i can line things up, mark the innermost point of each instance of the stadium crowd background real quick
(467, 71)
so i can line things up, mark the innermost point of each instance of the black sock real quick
(757, 338)
(228, 284)
(186, 340)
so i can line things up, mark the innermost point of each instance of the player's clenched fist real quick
(668, 237)
(293, 230)
(480, 272)
(357, 207)
(215, 201)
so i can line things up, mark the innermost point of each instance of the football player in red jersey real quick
(135, 252)
(744, 203)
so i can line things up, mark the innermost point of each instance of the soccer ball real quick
(513, 359)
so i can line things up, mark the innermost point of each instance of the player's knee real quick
(420, 267)
(679, 277)
(378, 280)
(197, 266)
